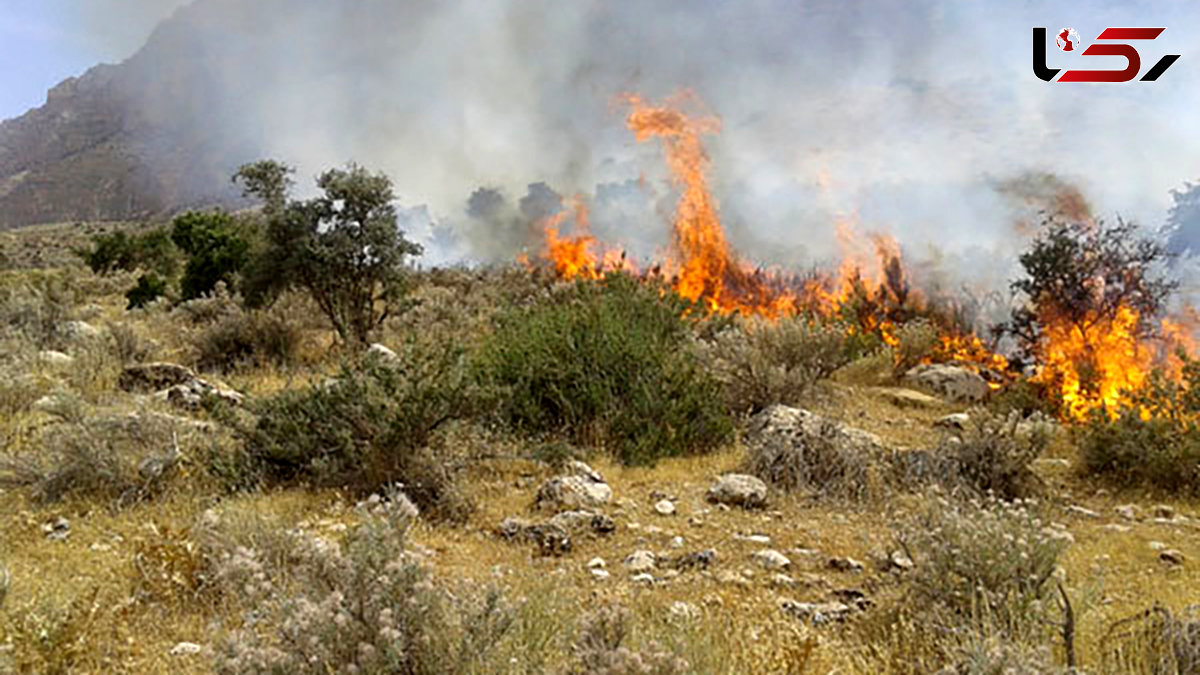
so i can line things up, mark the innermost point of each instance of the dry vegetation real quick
(279, 537)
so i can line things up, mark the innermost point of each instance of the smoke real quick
(922, 119)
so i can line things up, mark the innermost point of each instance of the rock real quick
(897, 561)
(578, 468)
(381, 353)
(55, 403)
(57, 359)
(151, 377)
(596, 563)
(575, 492)
(1052, 462)
(698, 560)
(550, 539)
(845, 564)
(907, 398)
(583, 521)
(80, 330)
(1082, 511)
(1127, 511)
(753, 538)
(1164, 511)
(191, 395)
(665, 507)
(1117, 527)
(640, 561)
(955, 383)
(677, 542)
(58, 529)
(770, 559)
(599, 574)
(186, 649)
(738, 489)
(957, 421)
(817, 613)
(1157, 546)
(512, 528)
(794, 448)
(1171, 556)
(732, 578)
(642, 578)
(684, 611)
(854, 597)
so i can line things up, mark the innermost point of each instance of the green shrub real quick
(37, 307)
(606, 363)
(149, 251)
(369, 427)
(760, 362)
(1153, 441)
(255, 336)
(149, 288)
(217, 249)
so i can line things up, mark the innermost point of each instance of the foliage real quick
(37, 307)
(995, 456)
(367, 607)
(1084, 273)
(239, 336)
(602, 648)
(151, 251)
(1154, 439)
(343, 247)
(1156, 641)
(605, 363)
(149, 288)
(369, 427)
(984, 563)
(217, 249)
(760, 362)
(915, 340)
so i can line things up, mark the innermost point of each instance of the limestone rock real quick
(738, 489)
(955, 383)
(770, 559)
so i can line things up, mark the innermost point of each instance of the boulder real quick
(817, 613)
(907, 398)
(191, 394)
(583, 521)
(796, 449)
(955, 383)
(568, 493)
(738, 489)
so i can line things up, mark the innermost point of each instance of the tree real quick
(216, 247)
(152, 251)
(1083, 274)
(343, 247)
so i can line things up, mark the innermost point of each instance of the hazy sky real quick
(43, 42)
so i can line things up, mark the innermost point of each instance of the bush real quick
(1152, 441)
(915, 341)
(983, 563)
(37, 307)
(606, 363)
(240, 336)
(151, 251)
(367, 607)
(995, 455)
(761, 362)
(217, 249)
(601, 648)
(1156, 642)
(368, 428)
(149, 288)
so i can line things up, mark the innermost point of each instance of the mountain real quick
(126, 141)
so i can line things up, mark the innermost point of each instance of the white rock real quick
(665, 507)
(382, 353)
(640, 561)
(599, 574)
(956, 383)
(596, 563)
(54, 358)
(1082, 511)
(738, 489)
(1157, 546)
(186, 649)
(1127, 511)
(771, 559)
(642, 578)
(677, 542)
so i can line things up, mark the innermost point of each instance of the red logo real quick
(1068, 40)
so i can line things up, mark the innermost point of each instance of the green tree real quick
(217, 250)
(343, 247)
(119, 250)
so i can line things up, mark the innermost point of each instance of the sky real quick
(43, 42)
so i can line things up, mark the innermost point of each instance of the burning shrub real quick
(606, 363)
(1154, 440)
(1093, 295)
(760, 362)
(368, 428)
(915, 341)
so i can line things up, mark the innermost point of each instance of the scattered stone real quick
(665, 507)
(897, 561)
(642, 578)
(1117, 527)
(99, 547)
(781, 580)
(511, 528)
(955, 383)
(1052, 462)
(817, 613)
(770, 559)
(1171, 556)
(550, 539)
(1127, 511)
(1082, 511)
(640, 561)
(596, 563)
(575, 492)
(732, 578)
(599, 574)
(854, 597)
(684, 611)
(578, 468)
(796, 449)
(699, 560)
(677, 542)
(55, 403)
(738, 489)
(846, 564)
(1164, 511)
(957, 421)
(753, 538)
(1157, 546)
(151, 377)
(58, 529)
(191, 395)
(907, 398)
(55, 358)
(583, 521)
(186, 649)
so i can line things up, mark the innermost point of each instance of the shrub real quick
(761, 362)
(984, 563)
(995, 455)
(248, 336)
(51, 637)
(915, 340)
(368, 428)
(1156, 641)
(38, 306)
(606, 363)
(601, 648)
(366, 607)
(119, 458)
(1153, 440)
(217, 249)
(149, 288)
(151, 251)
